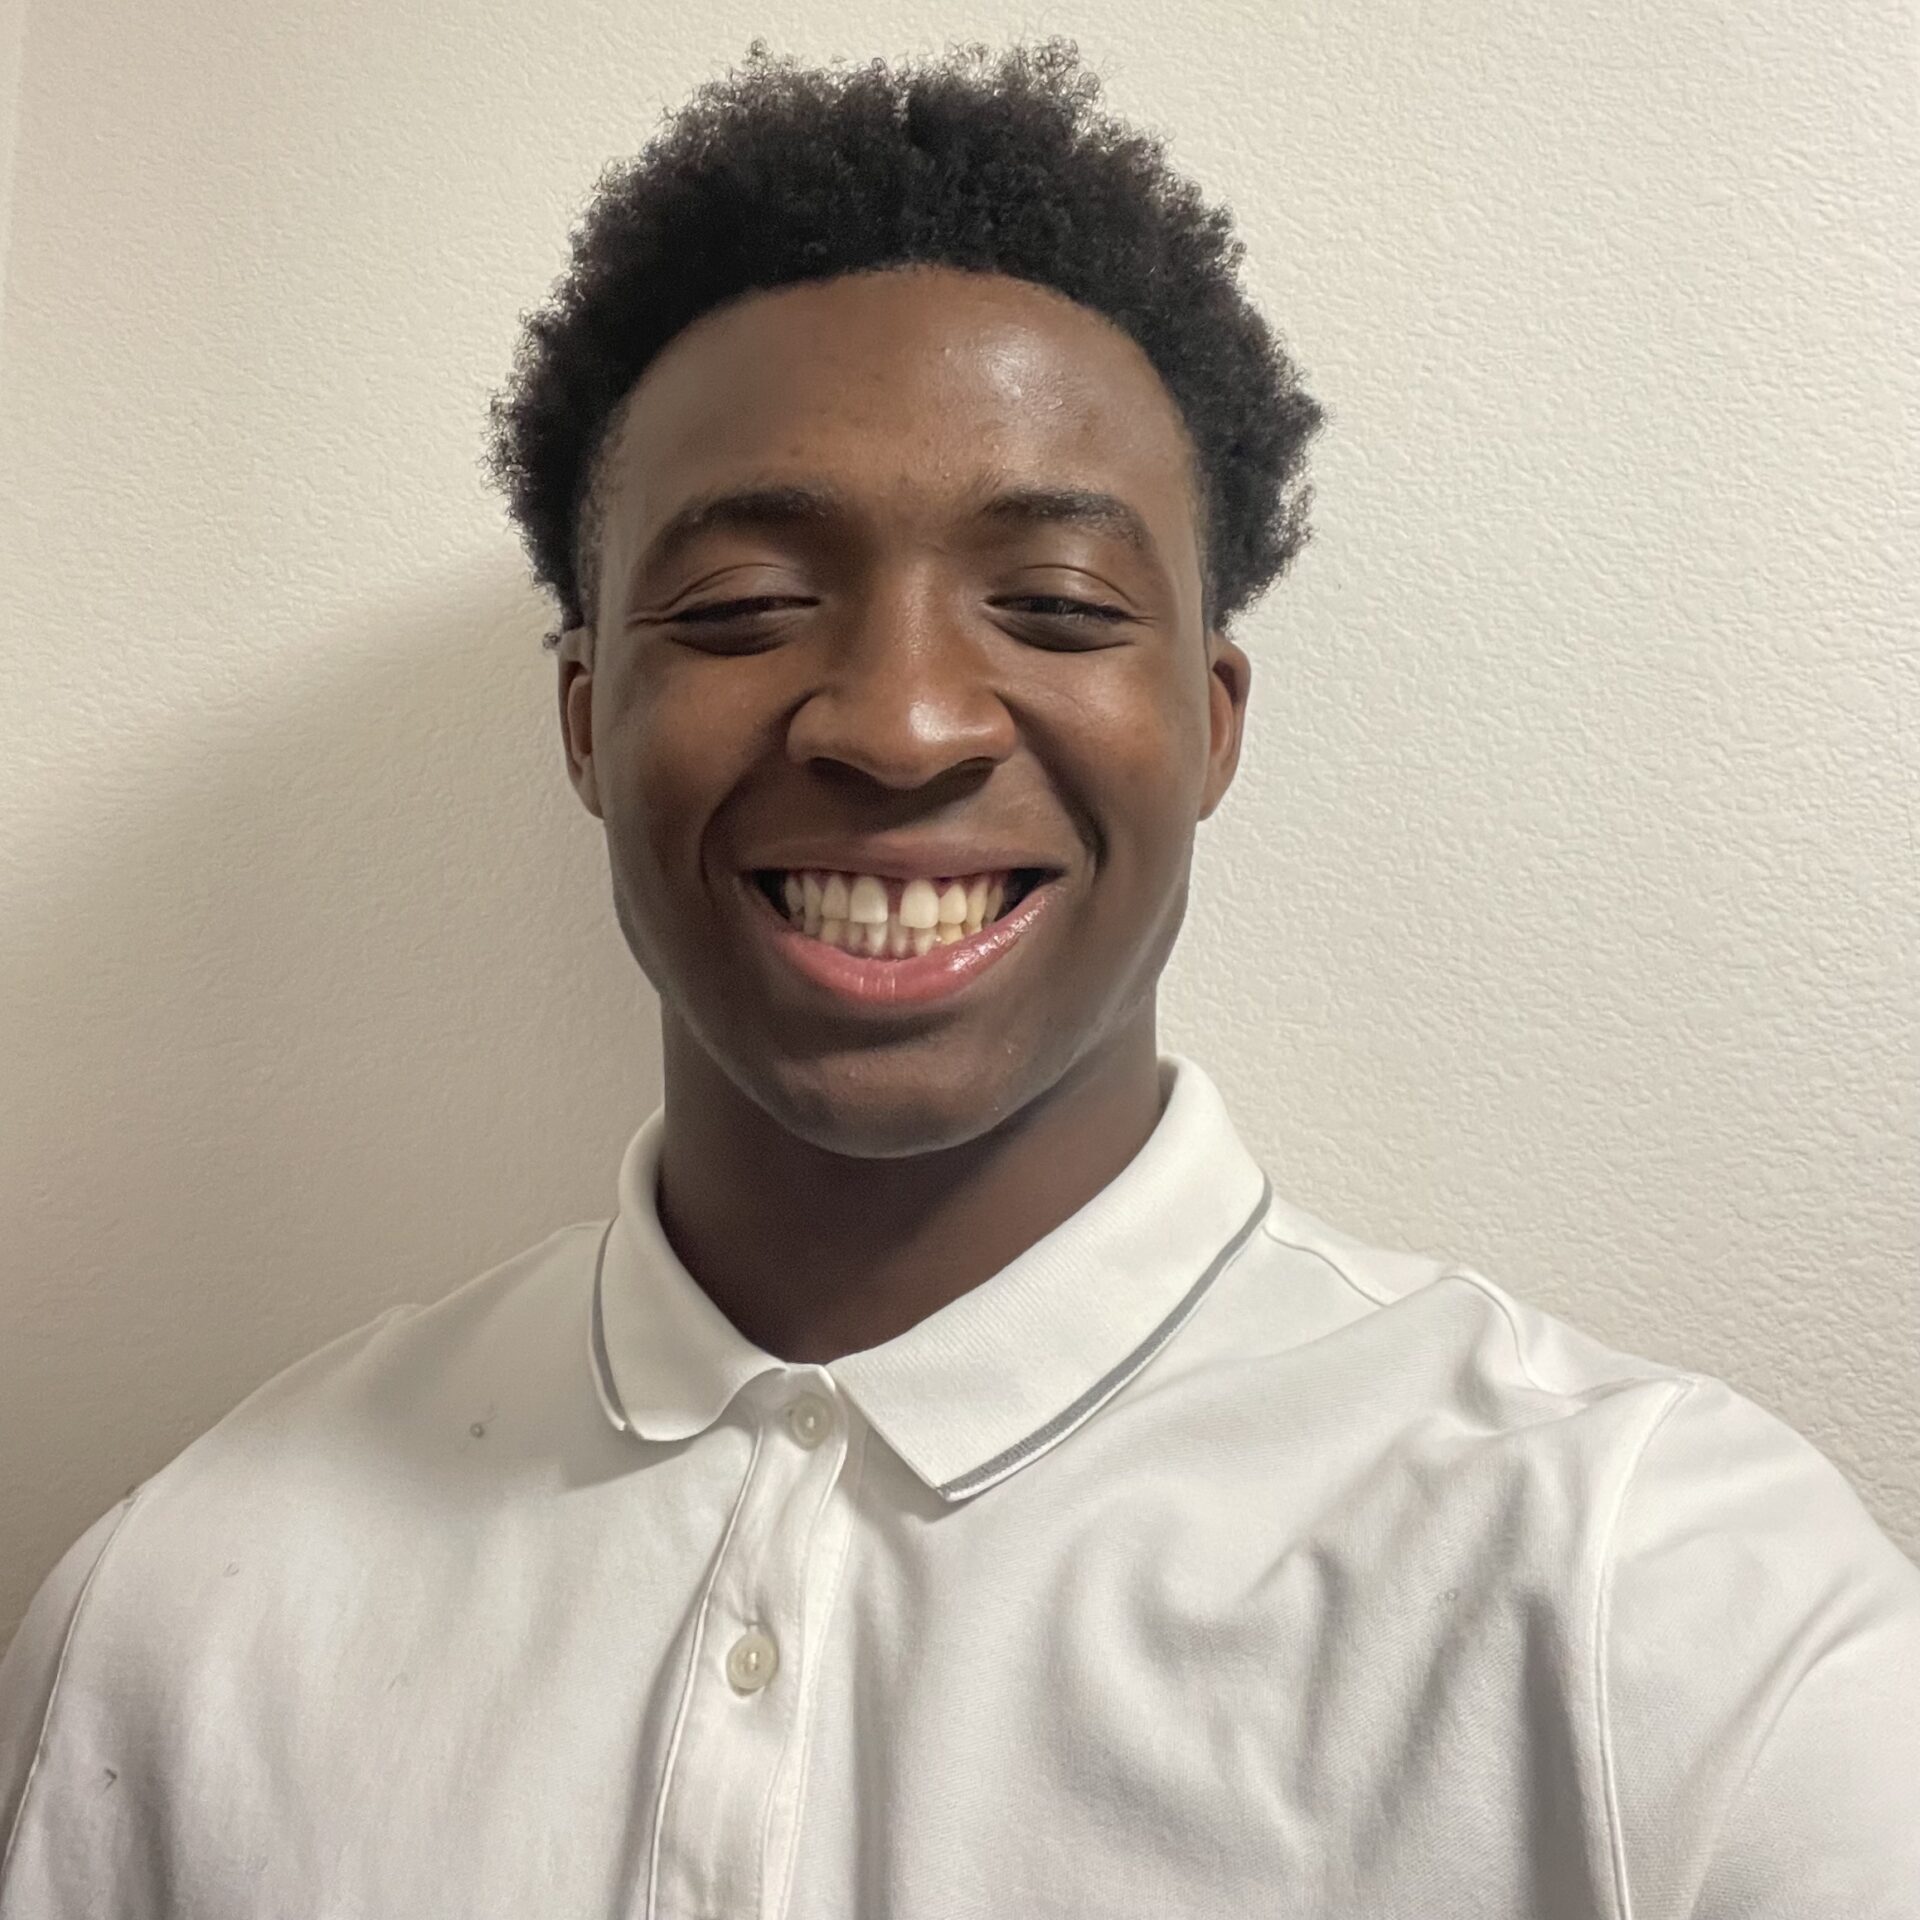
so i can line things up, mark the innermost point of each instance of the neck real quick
(812, 1254)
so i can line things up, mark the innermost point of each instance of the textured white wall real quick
(1563, 921)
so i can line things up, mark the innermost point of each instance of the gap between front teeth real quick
(865, 914)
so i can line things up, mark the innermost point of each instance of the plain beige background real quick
(1563, 920)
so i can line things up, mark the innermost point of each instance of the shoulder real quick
(1748, 1636)
(1757, 1673)
(1445, 1330)
(1649, 1459)
(30, 1672)
(1705, 1490)
(1696, 1483)
(415, 1427)
(391, 1409)
(1736, 1530)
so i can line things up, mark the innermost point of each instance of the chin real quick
(890, 1103)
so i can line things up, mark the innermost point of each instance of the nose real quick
(906, 696)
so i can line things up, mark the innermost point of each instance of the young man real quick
(953, 1483)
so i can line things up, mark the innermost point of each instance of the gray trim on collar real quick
(1104, 1389)
(1062, 1424)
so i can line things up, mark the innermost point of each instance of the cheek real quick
(1141, 748)
(662, 769)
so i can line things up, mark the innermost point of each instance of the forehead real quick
(903, 388)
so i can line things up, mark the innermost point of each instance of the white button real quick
(809, 1417)
(753, 1661)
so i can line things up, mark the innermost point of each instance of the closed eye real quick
(1050, 620)
(1055, 606)
(1052, 606)
(721, 610)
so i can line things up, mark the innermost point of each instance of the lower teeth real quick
(889, 939)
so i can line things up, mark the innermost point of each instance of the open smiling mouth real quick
(881, 941)
(862, 913)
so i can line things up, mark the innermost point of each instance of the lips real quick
(881, 980)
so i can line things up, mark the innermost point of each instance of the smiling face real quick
(900, 577)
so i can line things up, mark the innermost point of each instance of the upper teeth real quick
(867, 914)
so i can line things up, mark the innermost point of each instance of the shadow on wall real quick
(319, 1005)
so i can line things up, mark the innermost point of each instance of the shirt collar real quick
(994, 1378)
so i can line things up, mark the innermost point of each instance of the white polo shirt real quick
(1203, 1561)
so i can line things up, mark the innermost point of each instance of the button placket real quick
(743, 1698)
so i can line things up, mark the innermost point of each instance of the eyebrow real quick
(776, 507)
(1070, 507)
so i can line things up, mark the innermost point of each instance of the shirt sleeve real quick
(1759, 1678)
(30, 1673)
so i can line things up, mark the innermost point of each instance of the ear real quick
(1229, 674)
(574, 651)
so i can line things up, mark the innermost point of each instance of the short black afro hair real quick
(778, 173)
